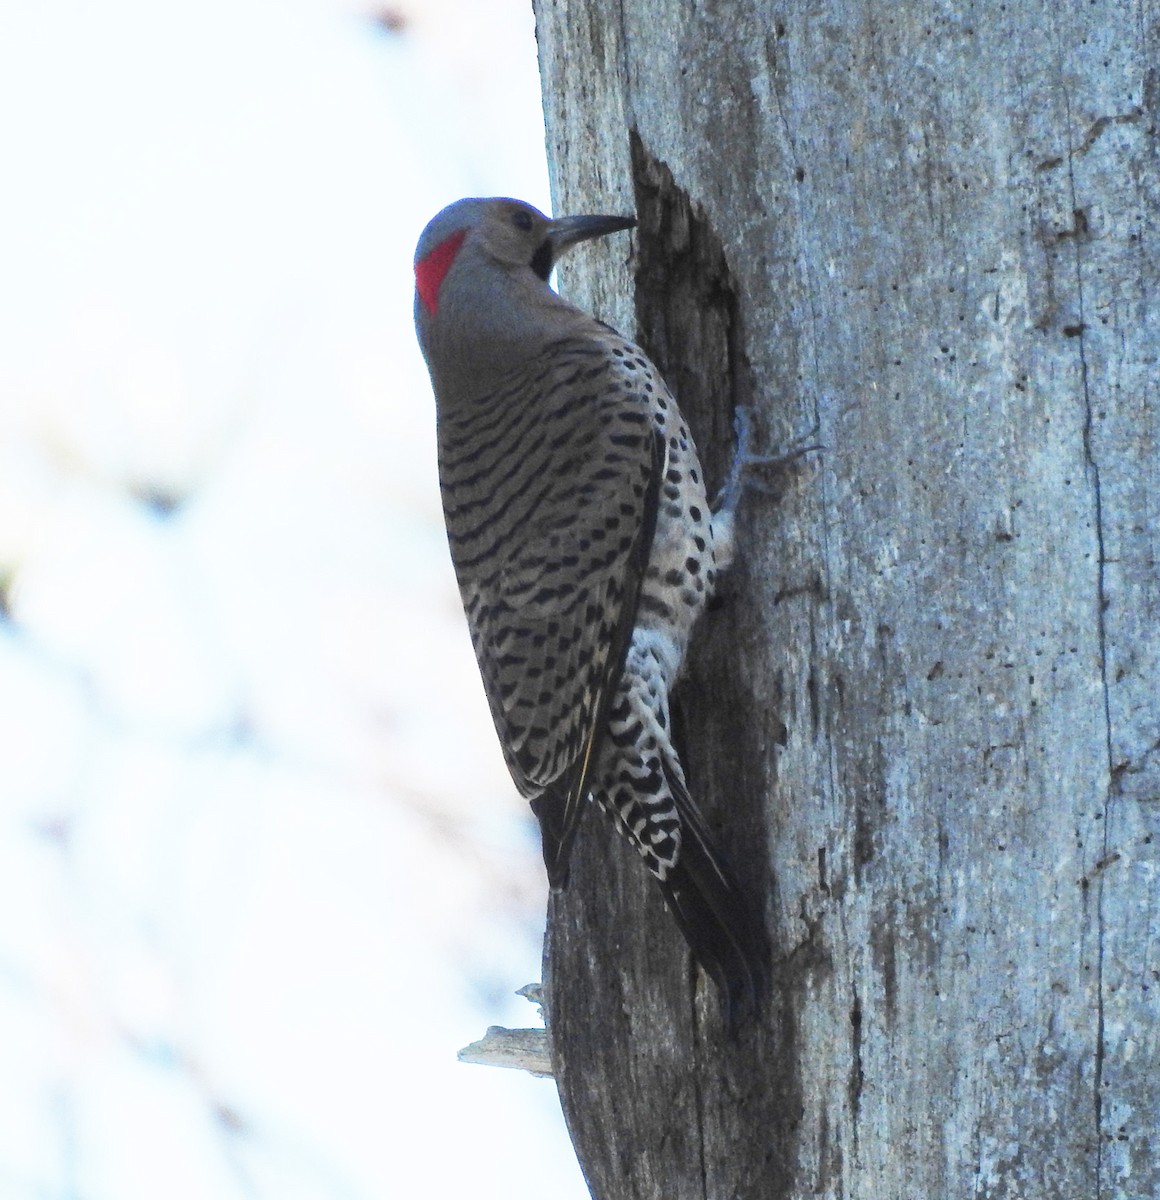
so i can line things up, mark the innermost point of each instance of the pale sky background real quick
(262, 871)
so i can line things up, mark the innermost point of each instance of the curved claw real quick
(730, 495)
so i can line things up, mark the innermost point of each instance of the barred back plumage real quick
(544, 488)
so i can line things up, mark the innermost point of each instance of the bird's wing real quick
(550, 492)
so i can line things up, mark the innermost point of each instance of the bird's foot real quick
(745, 460)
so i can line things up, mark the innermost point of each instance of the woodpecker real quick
(585, 548)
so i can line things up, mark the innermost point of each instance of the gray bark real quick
(924, 720)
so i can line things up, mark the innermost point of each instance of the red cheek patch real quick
(431, 269)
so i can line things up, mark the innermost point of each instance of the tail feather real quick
(559, 816)
(720, 925)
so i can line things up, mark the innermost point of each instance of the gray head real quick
(482, 300)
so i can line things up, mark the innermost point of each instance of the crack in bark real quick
(698, 1094)
(1093, 469)
(690, 322)
(687, 305)
(1098, 126)
(857, 1077)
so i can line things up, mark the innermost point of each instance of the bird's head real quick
(481, 278)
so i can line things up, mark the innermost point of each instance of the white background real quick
(262, 870)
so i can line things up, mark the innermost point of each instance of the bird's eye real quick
(522, 220)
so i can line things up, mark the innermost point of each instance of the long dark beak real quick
(565, 232)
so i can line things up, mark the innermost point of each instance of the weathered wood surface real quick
(926, 717)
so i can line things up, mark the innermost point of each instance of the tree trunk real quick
(924, 719)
